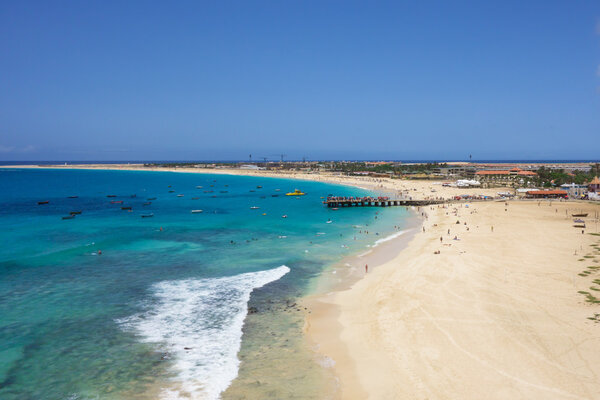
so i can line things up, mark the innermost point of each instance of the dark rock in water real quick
(252, 310)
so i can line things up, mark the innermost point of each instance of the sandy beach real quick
(499, 312)
(496, 314)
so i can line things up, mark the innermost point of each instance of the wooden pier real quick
(340, 202)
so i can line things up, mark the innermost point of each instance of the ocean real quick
(137, 297)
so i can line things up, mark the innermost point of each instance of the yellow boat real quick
(296, 192)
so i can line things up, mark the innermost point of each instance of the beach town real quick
(494, 294)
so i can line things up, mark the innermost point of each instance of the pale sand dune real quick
(496, 315)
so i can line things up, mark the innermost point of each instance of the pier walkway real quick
(339, 202)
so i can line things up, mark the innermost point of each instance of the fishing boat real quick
(196, 211)
(43, 202)
(111, 195)
(72, 197)
(116, 202)
(147, 215)
(68, 217)
(284, 216)
(171, 191)
(580, 215)
(179, 195)
(75, 212)
(259, 187)
(125, 208)
(296, 192)
(199, 187)
(254, 208)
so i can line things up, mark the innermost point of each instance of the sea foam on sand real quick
(198, 322)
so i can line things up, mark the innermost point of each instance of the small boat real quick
(125, 208)
(224, 191)
(252, 190)
(226, 185)
(75, 212)
(199, 187)
(196, 211)
(254, 208)
(259, 187)
(72, 197)
(296, 192)
(147, 215)
(208, 191)
(274, 195)
(68, 217)
(284, 216)
(169, 186)
(277, 190)
(111, 195)
(151, 198)
(580, 215)
(133, 196)
(335, 208)
(116, 202)
(179, 195)
(264, 213)
(171, 191)
(43, 202)
(195, 198)
(329, 221)
(147, 203)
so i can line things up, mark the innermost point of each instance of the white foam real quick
(388, 238)
(206, 316)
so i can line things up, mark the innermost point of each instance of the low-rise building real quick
(546, 194)
(574, 190)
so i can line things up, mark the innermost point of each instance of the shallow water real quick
(161, 311)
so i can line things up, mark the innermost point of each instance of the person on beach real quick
(366, 268)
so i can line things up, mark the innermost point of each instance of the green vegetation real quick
(595, 318)
(589, 297)
(555, 177)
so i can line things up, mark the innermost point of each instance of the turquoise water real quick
(161, 310)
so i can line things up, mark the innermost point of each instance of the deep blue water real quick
(78, 324)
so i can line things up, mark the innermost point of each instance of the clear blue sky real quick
(118, 80)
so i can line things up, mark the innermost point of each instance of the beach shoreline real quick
(500, 312)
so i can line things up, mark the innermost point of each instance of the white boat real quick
(254, 208)
(196, 211)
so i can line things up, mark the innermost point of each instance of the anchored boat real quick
(296, 192)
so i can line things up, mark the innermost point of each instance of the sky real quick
(200, 80)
